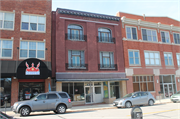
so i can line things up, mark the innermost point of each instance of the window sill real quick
(153, 65)
(105, 42)
(107, 68)
(6, 57)
(76, 67)
(7, 29)
(33, 31)
(134, 65)
(76, 40)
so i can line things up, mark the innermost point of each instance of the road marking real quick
(159, 111)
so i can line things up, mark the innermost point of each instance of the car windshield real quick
(128, 95)
(178, 92)
(33, 97)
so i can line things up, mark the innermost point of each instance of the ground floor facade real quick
(162, 83)
(88, 88)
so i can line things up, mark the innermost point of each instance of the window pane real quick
(41, 27)
(147, 61)
(63, 95)
(134, 33)
(25, 18)
(144, 34)
(32, 45)
(131, 60)
(137, 60)
(143, 86)
(152, 61)
(136, 54)
(41, 20)
(156, 55)
(7, 44)
(40, 46)
(130, 53)
(6, 52)
(42, 97)
(40, 54)
(1, 16)
(25, 26)
(33, 19)
(0, 44)
(1, 22)
(8, 24)
(75, 52)
(97, 90)
(136, 87)
(157, 62)
(166, 62)
(24, 45)
(169, 56)
(9, 16)
(151, 55)
(150, 86)
(52, 96)
(33, 26)
(146, 55)
(170, 62)
(23, 53)
(32, 53)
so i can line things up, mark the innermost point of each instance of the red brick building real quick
(87, 56)
(25, 32)
(151, 54)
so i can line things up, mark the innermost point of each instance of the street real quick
(160, 111)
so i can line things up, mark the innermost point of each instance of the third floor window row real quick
(151, 35)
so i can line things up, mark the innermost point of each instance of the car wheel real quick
(61, 109)
(174, 101)
(25, 111)
(151, 102)
(128, 104)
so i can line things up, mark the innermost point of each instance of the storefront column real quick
(14, 90)
(47, 82)
(58, 86)
(123, 88)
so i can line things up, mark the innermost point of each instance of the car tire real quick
(150, 102)
(174, 101)
(55, 112)
(25, 111)
(128, 104)
(61, 109)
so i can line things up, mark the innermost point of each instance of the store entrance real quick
(28, 90)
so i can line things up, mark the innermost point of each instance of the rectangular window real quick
(143, 83)
(76, 58)
(134, 58)
(6, 47)
(152, 58)
(165, 37)
(176, 38)
(32, 49)
(114, 89)
(178, 59)
(131, 33)
(149, 35)
(6, 20)
(168, 59)
(33, 23)
(106, 60)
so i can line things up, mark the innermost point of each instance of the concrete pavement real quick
(83, 108)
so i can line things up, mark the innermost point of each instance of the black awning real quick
(84, 80)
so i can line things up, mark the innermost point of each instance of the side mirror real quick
(35, 99)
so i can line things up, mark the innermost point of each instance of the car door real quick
(136, 98)
(52, 100)
(144, 98)
(40, 103)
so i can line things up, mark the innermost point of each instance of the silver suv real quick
(51, 101)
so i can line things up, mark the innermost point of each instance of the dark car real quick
(2, 99)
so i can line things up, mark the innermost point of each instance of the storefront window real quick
(5, 91)
(28, 90)
(114, 89)
(75, 90)
(105, 86)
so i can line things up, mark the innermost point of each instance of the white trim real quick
(168, 59)
(87, 21)
(134, 50)
(36, 22)
(131, 32)
(149, 51)
(11, 49)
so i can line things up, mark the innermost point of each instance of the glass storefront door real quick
(168, 90)
(89, 94)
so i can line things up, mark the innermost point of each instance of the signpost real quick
(136, 113)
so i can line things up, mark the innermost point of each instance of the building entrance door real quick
(168, 90)
(89, 94)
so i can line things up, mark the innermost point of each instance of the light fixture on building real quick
(14, 77)
(157, 81)
(178, 80)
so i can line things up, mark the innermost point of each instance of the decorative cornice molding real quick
(158, 25)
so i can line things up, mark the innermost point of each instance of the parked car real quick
(2, 99)
(51, 101)
(176, 97)
(136, 98)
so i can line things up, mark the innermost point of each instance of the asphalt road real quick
(161, 111)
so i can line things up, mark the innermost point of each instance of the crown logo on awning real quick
(32, 70)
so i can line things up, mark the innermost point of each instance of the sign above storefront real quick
(32, 68)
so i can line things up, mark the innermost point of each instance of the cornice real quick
(158, 25)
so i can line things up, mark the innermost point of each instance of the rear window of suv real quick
(63, 95)
(52, 96)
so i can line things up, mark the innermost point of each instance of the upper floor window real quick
(104, 35)
(75, 32)
(149, 35)
(178, 58)
(6, 20)
(131, 33)
(32, 49)
(33, 23)
(6, 47)
(176, 38)
(165, 37)
(106, 60)
(76, 58)
(152, 58)
(168, 59)
(134, 57)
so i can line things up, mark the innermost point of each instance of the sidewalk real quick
(84, 108)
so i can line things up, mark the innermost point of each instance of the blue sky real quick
(169, 8)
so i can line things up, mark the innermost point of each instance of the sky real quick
(164, 8)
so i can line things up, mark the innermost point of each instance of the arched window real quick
(75, 32)
(104, 35)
